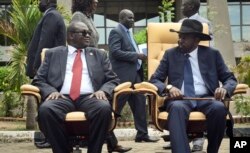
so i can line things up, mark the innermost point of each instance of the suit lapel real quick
(89, 55)
(63, 61)
(203, 65)
(126, 37)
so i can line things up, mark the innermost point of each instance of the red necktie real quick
(77, 76)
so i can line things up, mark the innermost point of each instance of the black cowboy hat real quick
(191, 26)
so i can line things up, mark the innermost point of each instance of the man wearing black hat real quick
(193, 70)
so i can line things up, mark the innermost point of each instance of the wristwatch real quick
(169, 87)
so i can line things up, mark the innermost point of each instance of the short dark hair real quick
(80, 5)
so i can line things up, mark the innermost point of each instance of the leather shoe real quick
(197, 148)
(119, 148)
(42, 145)
(167, 146)
(146, 139)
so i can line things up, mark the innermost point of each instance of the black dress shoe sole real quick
(121, 150)
(146, 140)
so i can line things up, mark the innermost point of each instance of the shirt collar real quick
(194, 16)
(72, 49)
(123, 27)
(194, 52)
(47, 11)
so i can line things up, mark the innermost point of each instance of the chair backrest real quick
(160, 39)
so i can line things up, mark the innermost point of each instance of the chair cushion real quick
(194, 116)
(78, 116)
(75, 116)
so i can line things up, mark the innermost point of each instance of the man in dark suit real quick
(194, 71)
(126, 62)
(61, 94)
(50, 32)
(190, 9)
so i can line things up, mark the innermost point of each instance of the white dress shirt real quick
(86, 85)
(199, 85)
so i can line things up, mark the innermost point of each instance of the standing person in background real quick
(127, 64)
(83, 11)
(50, 32)
(190, 9)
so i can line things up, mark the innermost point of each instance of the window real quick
(106, 17)
(239, 19)
(4, 16)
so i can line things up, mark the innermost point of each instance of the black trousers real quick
(137, 103)
(179, 111)
(51, 118)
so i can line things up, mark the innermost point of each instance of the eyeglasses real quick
(82, 33)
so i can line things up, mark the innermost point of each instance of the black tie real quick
(188, 80)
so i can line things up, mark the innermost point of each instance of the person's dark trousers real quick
(137, 103)
(40, 141)
(179, 111)
(111, 140)
(51, 117)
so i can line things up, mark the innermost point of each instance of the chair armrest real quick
(154, 99)
(241, 89)
(28, 89)
(123, 88)
(146, 85)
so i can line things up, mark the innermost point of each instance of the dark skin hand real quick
(219, 94)
(98, 94)
(175, 93)
(55, 95)
(142, 57)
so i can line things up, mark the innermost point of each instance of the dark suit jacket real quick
(122, 54)
(50, 32)
(212, 67)
(51, 74)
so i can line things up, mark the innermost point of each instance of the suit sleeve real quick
(115, 48)
(226, 77)
(40, 79)
(111, 79)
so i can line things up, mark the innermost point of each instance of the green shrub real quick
(141, 36)
(242, 105)
(242, 70)
(4, 71)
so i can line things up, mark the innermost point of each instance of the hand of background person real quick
(142, 57)
(220, 93)
(99, 95)
(55, 95)
(175, 93)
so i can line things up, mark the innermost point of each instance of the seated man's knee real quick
(43, 109)
(218, 109)
(177, 105)
(105, 106)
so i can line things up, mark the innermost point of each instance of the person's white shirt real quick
(86, 84)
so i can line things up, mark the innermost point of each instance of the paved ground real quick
(137, 147)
